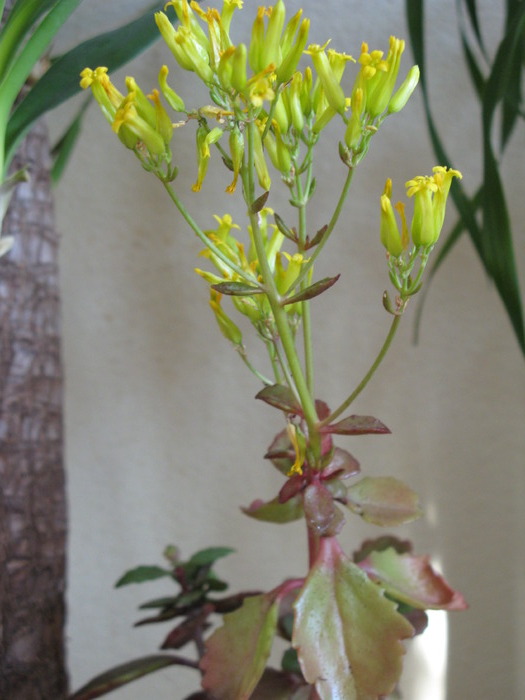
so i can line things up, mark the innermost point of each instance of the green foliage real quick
(497, 83)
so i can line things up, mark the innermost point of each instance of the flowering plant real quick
(344, 621)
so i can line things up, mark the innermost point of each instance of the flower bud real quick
(174, 101)
(227, 327)
(239, 78)
(237, 153)
(292, 57)
(331, 88)
(404, 92)
(261, 168)
(271, 51)
(390, 236)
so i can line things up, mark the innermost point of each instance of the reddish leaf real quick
(259, 202)
(357, 425)
(275, 512)
(314, 290)
(347, 634)
(280, 397)
(123, 674)
(185, 632)
(384, 501)
(412, 580)
(237, 652)
(291, 487)
(342, 465)
(321, 513)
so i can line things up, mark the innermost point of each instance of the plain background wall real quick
(164, 439)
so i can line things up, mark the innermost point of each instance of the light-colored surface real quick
(164, 440)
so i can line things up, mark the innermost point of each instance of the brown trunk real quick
(32, 502)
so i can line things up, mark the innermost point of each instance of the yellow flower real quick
(430, 195)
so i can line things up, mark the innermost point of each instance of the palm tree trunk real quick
(32, 501)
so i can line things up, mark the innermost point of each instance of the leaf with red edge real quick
(123, 674)
(384, 501)
(412, 580)
(236, 654)
(321, 513)
(379, 544)
(274, 511)
(356, 425)
(281, 397)
(347, 634)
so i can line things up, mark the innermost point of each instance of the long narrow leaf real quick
(61, 151)
(112, 49)
(495, 231)
(473, 16)
(32, 51)
(20, 19)
(476, 74)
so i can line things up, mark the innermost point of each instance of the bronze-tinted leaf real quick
(281, 397)
(342, 465)
(312, 291)
(283, 228)
(259, 203)
(236, 289)
(357, 425)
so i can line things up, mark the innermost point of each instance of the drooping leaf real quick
(112, 49)
(384, 501)
(283, 228)
(141, 574)
(236, 289)
(347, 634)
(275, 512)
(236, 654)
(121, 675)
(312, 291)
(357, 425)
(281, 397)
(210, 555)
(412, 580)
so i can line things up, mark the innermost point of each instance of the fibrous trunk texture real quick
(32, 501)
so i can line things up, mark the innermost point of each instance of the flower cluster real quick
(259, 82)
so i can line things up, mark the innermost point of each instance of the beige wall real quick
(164, 439)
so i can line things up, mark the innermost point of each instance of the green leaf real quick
(236, 289)
(384, 501)
(210, 555)
(141, 574)
(32, 50)
(112, 49)
(281, 397)
(312, 291)
(166, 602)
(62, 150)
(493, 240)
(356, 425)
(284, 229)
(347, 634)
(411, 580)
(121, 675)
(275, 512)
(236, 654)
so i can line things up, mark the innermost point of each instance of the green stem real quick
(242, 352)
(204, 238)
(279, 314)
(368, 376)
(333, 221)
(305, 305)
